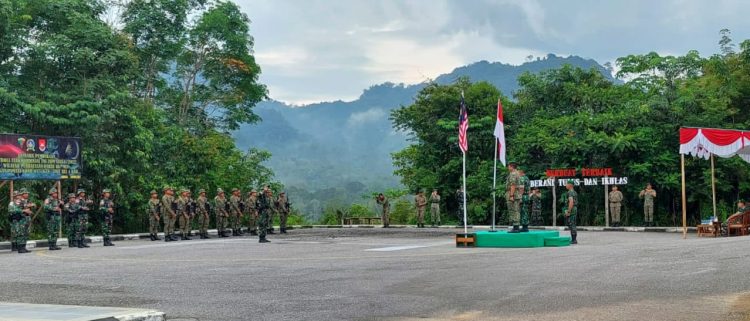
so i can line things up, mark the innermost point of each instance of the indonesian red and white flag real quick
(500, 133)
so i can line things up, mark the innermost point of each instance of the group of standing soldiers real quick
(228, 213)
(75, 213)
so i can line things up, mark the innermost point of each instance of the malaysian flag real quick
(463, 125)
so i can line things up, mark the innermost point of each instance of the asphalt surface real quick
(396, 274)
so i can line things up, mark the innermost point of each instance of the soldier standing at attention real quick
(168, 214)
(615, 203)
(153, 216)
(283, 209)
(421, 202)
(435, 208)
(382, 201)
(202, 210)
(251, 206)
(191, 213)
(16, 211)
(83, 217)
(107, 209)
(524, 209)
(53, 209)
(571, 210)
(183, 210)
(648, 194)
(235, 212)
(272, 211)
(265, 206)
(220, 207)
(536, 207)
(513, 196)
(71, 220)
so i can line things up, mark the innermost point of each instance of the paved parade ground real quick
(395, 274)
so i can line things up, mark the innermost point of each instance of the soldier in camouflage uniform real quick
(282, 207)
(571, 210)
(435, 208)
(386, 207)
(235, 212)
(17, 214)
(191, 211)
(615, 204)
(251, 207)
(83, 217)
(183, 212)
(220, 208)
(524, 200)
(168, 214)
(265, 206)
(648, 195)
(536, 207)
(71, 219)
(107, 210)
(28, 210)
(154, 216)
(420, 201)
(13, 247)
(53, 209)
(513, 188)
(202, 208)
(271, 213)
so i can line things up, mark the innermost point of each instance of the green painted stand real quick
(520, 240)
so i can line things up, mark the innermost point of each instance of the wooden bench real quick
(738, 224)
(712, 229)
(362, 221)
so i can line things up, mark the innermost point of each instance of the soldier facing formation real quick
(421, 203)
(435, 208)
(648, 194)
(615, 204)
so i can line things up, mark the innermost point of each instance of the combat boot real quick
(240, 232)
(223, 234)
(186, 236)
(525, 228)
(263, 240)
(282, 231)
(22, 249)
(234, 232)
(13, 246)
(79, 244)
(156, 237)
(515, 229)
(574, 237)
(151, 236)
(167, 238)
(83, 243)
(110, 242)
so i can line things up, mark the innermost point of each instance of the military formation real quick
(175, 215)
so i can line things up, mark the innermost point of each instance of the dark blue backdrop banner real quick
(39, 157)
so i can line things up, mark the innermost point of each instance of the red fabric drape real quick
(687, 134)
(722, 137)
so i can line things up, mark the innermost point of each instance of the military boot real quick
(240, 232)
(525, 228)
(515, 229)
(13, 246)
(167, 238)
(110, 242)
(156, 237)
(282, 231)
(574, 237)
(83, 243)
(263, 240)
(22, 249)
(79, 244)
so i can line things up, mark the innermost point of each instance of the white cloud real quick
(367, 116)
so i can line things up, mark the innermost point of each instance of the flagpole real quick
(466, 230)
(494, 187)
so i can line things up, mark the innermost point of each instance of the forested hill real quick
(347, 145)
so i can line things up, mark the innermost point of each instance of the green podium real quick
(520, 240)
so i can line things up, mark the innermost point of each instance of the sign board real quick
(32, 157)
(591, 177)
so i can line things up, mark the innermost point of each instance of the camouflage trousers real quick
(107, 225)
(262, 224)
(153, 224)
(385, 216)
(21, 230)
(524, 211)
(252, 221)
(283, 216)
(203, 221)
(571, 223)
(83, 224)
(184, 225)
(53, 222)
(235, 221)
(513, 212)
(420, 214)
(221, 223)
(536, 218)
(271, 216)
(71, 230)
(169, 224)
(648, 212)
(614, 210)
(435, 214)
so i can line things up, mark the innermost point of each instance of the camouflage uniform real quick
(648, 196)
(183, 211)
(282, 207)
(570, 216)
(265, 206)
(21, 229)
(235, 213)
(615, 204)
(17, 223)
(536, 210)
(83, 218)
(435, 209)
(202, 209)
(524, 180)
(220, 208)
(251, 207)
(53, 209)
(153, 217)
(106, 208)
(421, 202)
(385, 215)
(513, 201)
(168, 215)
(71, 219)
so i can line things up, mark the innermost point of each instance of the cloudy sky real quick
(322, 50)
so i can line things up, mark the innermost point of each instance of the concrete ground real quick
(395, 274)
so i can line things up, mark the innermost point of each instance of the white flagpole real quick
(466, 230)
(494, 187)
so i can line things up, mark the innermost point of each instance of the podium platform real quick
(520, 240)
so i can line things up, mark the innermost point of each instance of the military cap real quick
(219, 190)
(71, 195)
(254, 191)
(106, 190)
(80, 190)
(514, 163)
(571, 182)
(53, 190)
(282, 192)
(153, 191)
(16, 194)
(200, 191)
(535, 187)
(168, 188)
(235, 190)
(23, 191)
